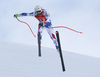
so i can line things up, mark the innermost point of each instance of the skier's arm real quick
(27, 14)
(24, 14)
(47, 16)
(47, 23)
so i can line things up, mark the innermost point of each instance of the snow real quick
(18, 60)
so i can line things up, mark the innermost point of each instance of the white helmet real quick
(38, 9)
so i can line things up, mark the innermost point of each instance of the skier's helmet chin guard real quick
(38, 9)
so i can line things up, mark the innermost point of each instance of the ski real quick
(39, 45)
(60, 51)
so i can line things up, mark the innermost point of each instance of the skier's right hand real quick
(16, 15)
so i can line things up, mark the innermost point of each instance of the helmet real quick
(38, 9)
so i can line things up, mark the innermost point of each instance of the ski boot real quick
(57, 47)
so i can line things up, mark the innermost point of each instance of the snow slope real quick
(18, 60)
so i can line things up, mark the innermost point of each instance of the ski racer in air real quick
(44, 22)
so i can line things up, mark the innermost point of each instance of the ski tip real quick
(56, 32)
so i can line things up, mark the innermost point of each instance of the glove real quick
(42, 24)
(16, 15)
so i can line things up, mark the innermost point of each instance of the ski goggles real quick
(38, 12)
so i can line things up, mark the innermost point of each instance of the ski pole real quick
(60, 51)
(66, 28)
(27, 25)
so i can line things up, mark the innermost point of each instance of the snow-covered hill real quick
(18, 60)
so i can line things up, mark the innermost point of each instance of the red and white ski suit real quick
(44, 17)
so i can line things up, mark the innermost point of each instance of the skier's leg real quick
(51, 33)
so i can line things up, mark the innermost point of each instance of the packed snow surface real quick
(18, 60)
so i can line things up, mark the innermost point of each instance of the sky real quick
(81, 15)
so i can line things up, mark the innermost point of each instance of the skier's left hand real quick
(45, 24)
(42, 24)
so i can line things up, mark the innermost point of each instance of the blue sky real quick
(81, 15)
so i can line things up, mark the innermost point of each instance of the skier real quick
(44, 22)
